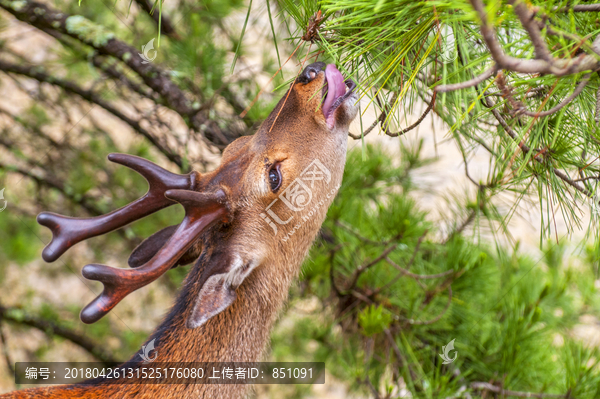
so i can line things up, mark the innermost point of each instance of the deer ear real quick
(216, 296)
(218, 292)
(151, 245)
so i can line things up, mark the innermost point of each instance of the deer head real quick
(262, 207)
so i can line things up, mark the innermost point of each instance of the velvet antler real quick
(201, 211)
(67, 231)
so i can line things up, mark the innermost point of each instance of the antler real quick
(165, 189)
(67, 231)
(201, 211)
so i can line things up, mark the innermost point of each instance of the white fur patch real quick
(240, 270)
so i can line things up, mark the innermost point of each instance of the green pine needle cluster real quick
(400, 51)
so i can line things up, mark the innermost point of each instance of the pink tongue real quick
(335, 87)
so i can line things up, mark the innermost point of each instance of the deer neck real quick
(240, 333)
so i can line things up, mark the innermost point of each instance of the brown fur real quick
(241, 332)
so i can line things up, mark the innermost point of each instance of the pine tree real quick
(517, 79)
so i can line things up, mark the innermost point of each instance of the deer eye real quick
(275, 177)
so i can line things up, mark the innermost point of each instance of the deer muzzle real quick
(336, 91)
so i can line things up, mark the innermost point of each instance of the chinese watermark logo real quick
(3, 202)
(446, 353)
(595, 205)
(146, 52)
(146, 349)
(448, 45)
(298, 196)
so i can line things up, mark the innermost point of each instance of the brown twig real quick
(561, 105)
(332, 271)
(44, 17)
(68, 86)
(579, 8)
(408, 266)
(314, 24)
(461, 228)
(485, 386)
(370, 343)
(561, 175)
(34, 72)
(4, 344)
(543, 63)
(526, 18)
(383, 116)
(469, 83)
(405, 272)
(397, 352)
(588, 178)
(114, 73)
(365, 266)
(35, 130)
(351, 230)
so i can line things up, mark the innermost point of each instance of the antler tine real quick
(201, 211)
(67, 231)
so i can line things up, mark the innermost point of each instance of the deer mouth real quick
(335, 92)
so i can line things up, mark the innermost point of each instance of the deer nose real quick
(311, 71)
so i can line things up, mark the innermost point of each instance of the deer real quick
(248, 227)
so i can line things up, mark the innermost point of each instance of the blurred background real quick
(512, 282)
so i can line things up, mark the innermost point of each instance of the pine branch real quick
(103, 64)
(543, 63)
(114, 73)
(51, 329)
(34, 72)
(44, 17)
(439, 316)
(520, 108)
(561, 175)
(47, 19)
(469, 83)
(353, 231)
(405, 272)
(50, 182)
(462, 226)
(31, 128)
(383, 116)
(372, 262)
